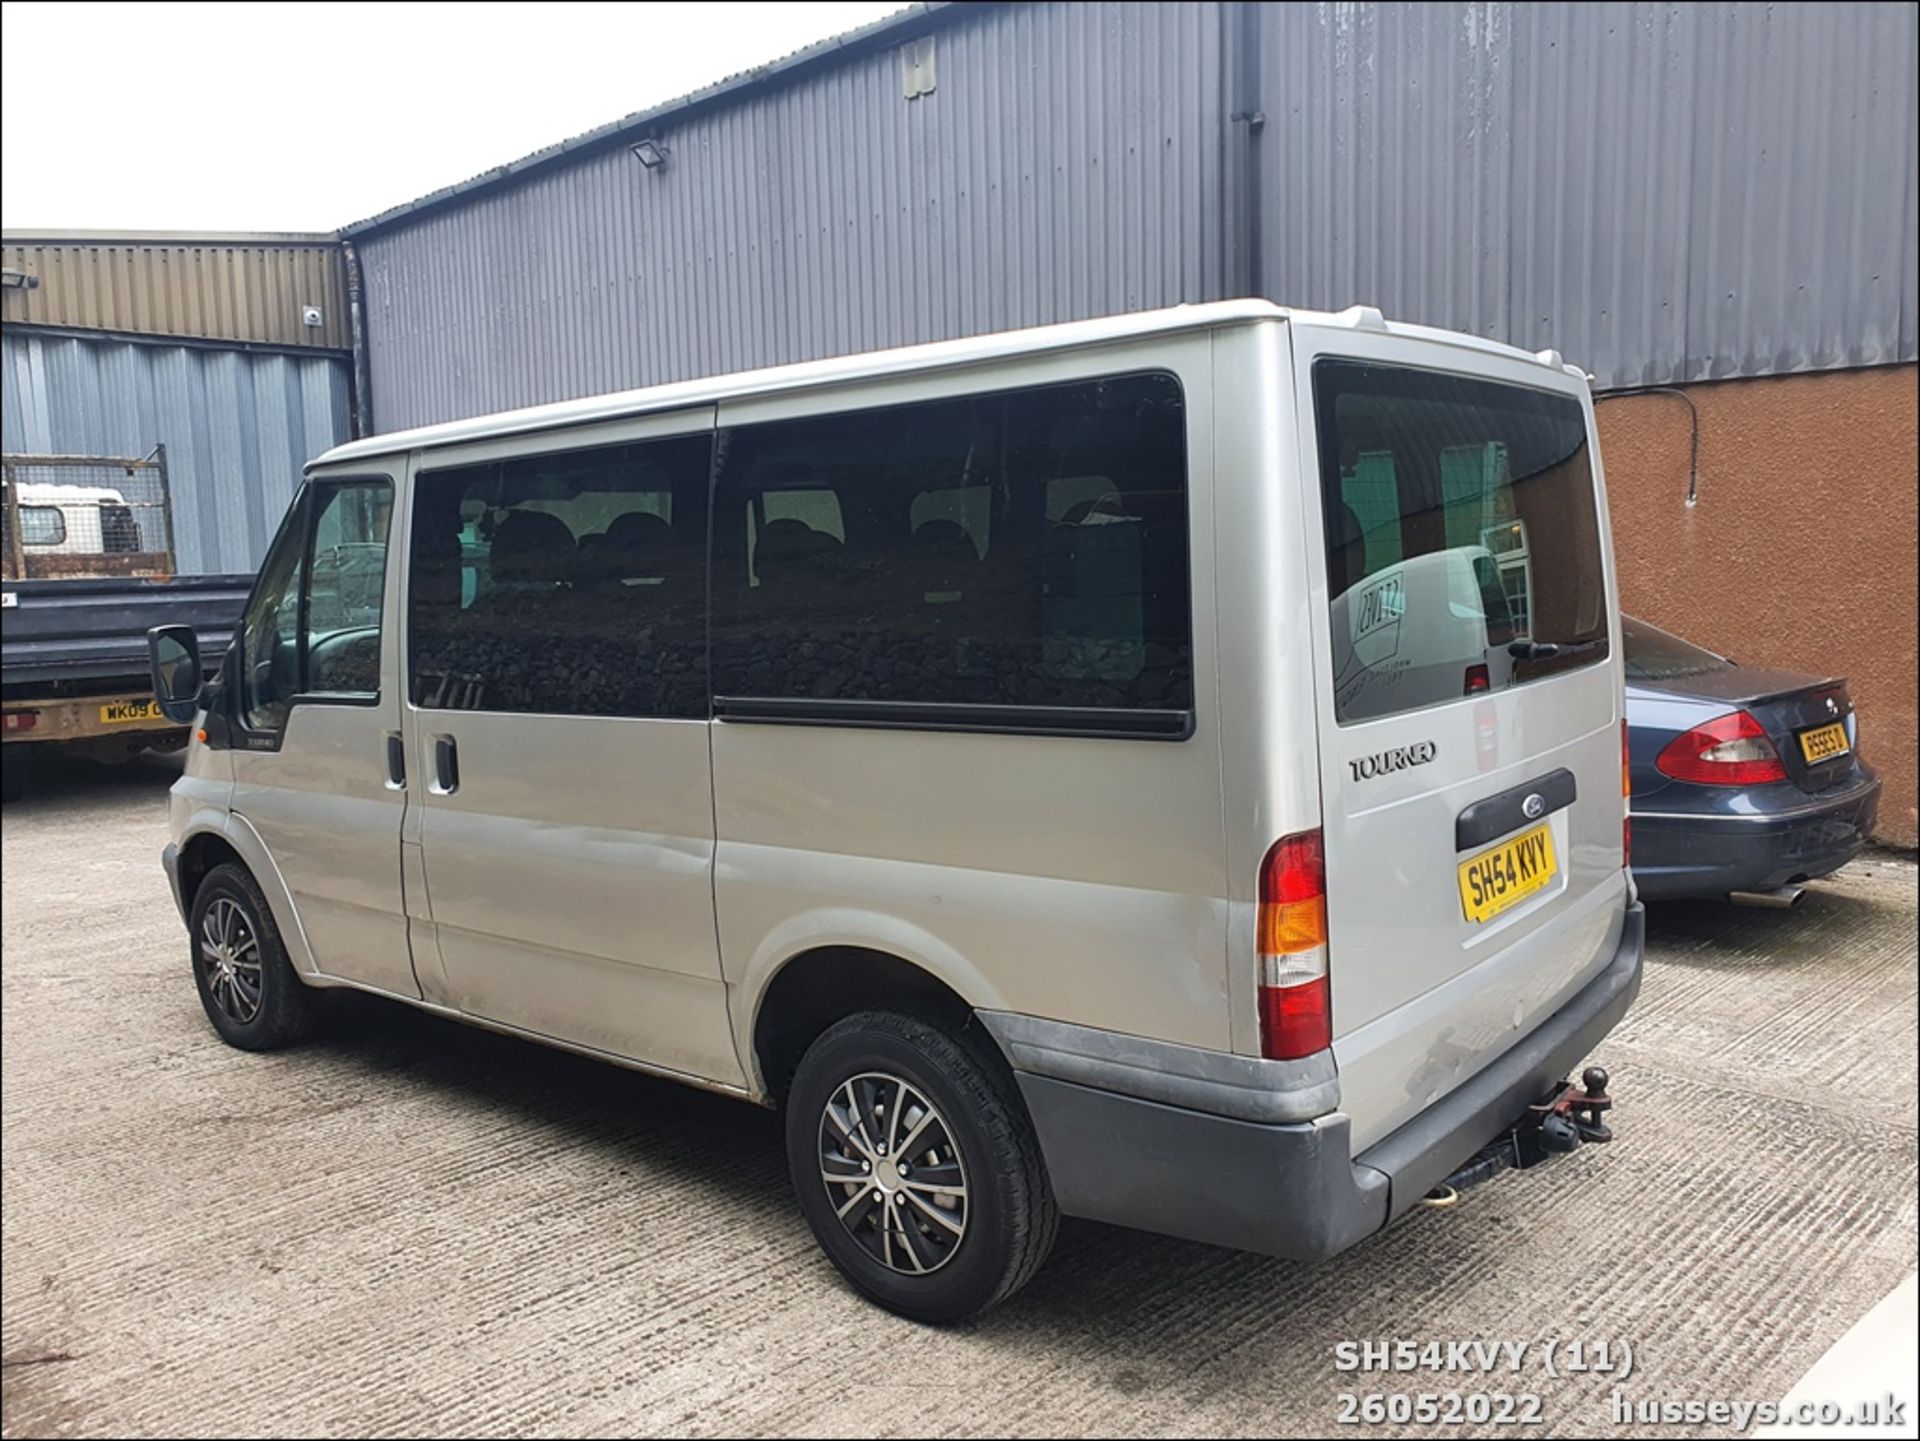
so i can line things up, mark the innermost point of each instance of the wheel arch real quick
(236, 842)
(816, 986)
(199, 854)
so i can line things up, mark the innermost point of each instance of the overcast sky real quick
(247, 116)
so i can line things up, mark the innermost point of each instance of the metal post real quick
(166, 504)
(16, 557)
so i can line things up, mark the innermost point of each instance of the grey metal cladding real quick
(1066, 166)
(238, 426)
(1661, 191)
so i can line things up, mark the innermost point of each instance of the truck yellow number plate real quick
(1824, 743)
(1506, 875)
(122, 711)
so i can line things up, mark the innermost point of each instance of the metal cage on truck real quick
(85, 515)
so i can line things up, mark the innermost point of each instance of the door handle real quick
(446, 767)
(396, 762)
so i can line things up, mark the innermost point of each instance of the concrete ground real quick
(411, 1227)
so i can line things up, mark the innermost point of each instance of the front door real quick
(316, 697)
(558, 722)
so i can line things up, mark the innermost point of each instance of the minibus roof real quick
(884, 364)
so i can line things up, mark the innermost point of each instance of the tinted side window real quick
(566, 584)
(1023, 548)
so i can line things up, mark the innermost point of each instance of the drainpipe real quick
(357, 323)
(1241, 198)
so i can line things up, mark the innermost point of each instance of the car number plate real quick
(1823, 743)
(122, 711)
(1506, 875)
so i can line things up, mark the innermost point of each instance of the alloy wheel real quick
(893, 1173)
(230, 952)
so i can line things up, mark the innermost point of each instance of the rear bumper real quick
(1294, 1189)
(53, 719)
(1676, 854)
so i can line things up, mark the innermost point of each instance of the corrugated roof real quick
(889, 29)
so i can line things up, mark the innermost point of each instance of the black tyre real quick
(915, 1164)
(246, 983)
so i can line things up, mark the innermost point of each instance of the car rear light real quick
(1479, 679)
(1729, 750)
(21, 720)
(1295, 1017)
(1626, 797)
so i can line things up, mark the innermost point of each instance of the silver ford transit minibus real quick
(1163, 769)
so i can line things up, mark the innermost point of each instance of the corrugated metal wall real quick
(238, 427)
(1660, 191)
(1056, 172)
(204, 289)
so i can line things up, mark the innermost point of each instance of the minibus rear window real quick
(1463, 538)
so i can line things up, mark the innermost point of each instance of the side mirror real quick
(174, 654)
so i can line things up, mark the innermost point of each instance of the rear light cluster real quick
(1295, 1017)
(1626, 797)
(1729, 750)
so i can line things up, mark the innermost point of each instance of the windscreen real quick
(1654, 654)
(1463, 538)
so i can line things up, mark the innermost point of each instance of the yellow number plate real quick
(1824, 743)
(122, 711)
(1507, 874)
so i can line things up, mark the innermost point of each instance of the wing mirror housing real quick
(179, 683)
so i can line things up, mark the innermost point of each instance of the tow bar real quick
(1561, 1121)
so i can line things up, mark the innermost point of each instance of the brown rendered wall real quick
(1801, 550)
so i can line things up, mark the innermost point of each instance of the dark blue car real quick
(1746, 782)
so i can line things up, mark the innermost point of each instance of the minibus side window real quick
(1023, 549)
(563, 583)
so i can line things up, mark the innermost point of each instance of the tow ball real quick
(1561, 1121)
(1566, 1118)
